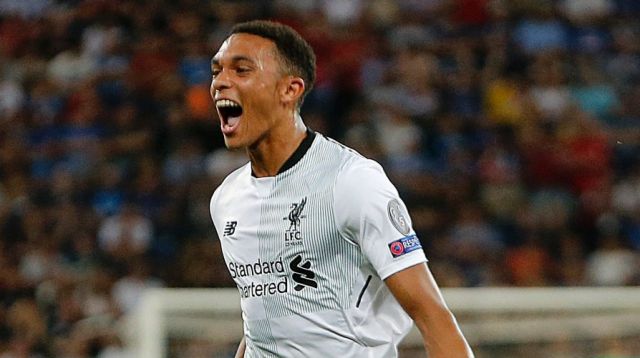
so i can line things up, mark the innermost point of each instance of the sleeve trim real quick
(411, 260)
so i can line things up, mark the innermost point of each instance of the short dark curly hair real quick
(297, 55)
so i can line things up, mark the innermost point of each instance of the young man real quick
(314, 235)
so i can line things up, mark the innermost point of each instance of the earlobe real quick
(293, 89)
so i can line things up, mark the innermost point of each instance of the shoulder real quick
(231, 182)
(354, 173)
(330, 144)
(361, 187)
(358, 173)
(347, 158)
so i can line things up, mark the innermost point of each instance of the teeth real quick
(226, 103)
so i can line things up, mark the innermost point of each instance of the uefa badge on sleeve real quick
(404, 245)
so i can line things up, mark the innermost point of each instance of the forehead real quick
(245, 46)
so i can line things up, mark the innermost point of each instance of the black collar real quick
(298, 153)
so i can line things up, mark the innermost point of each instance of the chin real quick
(233, 143)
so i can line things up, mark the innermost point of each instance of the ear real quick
(292, 89)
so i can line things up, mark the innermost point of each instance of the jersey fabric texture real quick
(309, 249)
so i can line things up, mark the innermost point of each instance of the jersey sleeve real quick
(212, 208)
(370, 213)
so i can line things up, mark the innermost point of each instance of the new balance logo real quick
(303, 276)
(230, 228)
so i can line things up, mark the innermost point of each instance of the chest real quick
(287, 222)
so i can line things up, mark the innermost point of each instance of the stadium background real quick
(511, 128)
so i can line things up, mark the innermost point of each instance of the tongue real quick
(232, 121)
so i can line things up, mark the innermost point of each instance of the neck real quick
(272, 151)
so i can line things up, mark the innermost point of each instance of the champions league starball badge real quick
(398, 217)
(396, 248)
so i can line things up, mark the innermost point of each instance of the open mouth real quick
(230, 113)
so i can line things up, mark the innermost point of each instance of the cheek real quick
(263, 100)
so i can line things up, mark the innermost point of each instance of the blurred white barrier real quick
(486, 315)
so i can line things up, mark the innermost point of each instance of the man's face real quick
(246, 79)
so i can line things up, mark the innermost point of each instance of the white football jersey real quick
(309, 249)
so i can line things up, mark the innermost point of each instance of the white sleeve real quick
(213, 210)
(370, 213)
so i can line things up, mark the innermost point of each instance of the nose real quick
(220, 82)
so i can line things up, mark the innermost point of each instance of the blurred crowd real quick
(511, 129)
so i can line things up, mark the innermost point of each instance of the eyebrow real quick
(234, 59)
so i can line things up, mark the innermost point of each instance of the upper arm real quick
(419, 295)
(417, 292)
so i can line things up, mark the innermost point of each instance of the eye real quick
(215, 72)
(241, 70)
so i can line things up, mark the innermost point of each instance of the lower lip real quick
(228, 129)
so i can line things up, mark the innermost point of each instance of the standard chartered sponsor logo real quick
(303, 277)
(256, 269)
(260, 289)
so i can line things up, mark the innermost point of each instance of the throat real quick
(260, 166)
(278, 157)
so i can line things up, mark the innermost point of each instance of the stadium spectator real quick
(513, 124)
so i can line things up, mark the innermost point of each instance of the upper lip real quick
(218, 99)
